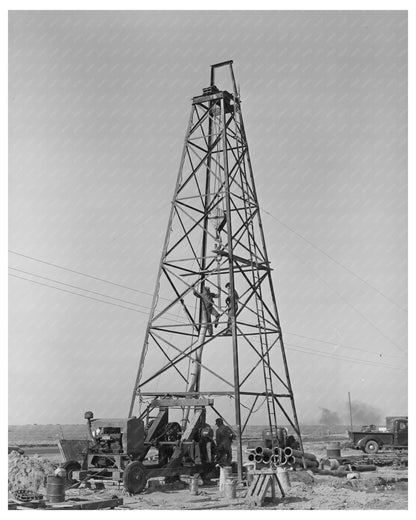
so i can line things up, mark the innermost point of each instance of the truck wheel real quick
(70, 467)
(371, 447)
(134, 477)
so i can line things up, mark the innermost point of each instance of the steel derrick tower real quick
(215, 241)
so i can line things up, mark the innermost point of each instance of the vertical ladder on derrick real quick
(261, 320)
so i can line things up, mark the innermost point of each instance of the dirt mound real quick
(28, 472)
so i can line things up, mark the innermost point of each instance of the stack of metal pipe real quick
(296, 458)
(281, 457)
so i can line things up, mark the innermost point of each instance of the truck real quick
(371, 439)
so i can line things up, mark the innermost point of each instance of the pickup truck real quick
(372, 439)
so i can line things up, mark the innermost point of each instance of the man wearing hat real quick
(224, 437)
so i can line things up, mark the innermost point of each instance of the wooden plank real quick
(259, 499)
(87, 504)
(263, 481)
(182, 402)
(188, 433)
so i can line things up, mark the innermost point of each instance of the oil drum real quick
(225, 472)
(333, 450)
(55, 489)
(230, 488)
(193, 485)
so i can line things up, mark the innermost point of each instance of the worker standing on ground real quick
(205, 439)
(207, 298)
(224, 437)
(231, 309)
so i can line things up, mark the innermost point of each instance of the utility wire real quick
(88, 297)
(143, 292)
(347, 269)
(79, 272)
(341, 357)
(76, 294)
(148, 309)
(347, 302)
(77, 287)
(340, 345)
(305, 349)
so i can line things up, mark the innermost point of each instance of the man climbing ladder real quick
(207, 298)
(231, 309)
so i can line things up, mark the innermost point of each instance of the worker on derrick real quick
(207, 298)
(232, 308)
(224, 437)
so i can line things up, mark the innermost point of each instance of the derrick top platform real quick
(212, 95)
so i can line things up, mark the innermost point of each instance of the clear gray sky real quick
(99, 103)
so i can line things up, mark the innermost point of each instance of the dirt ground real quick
(374, 491)
(385, 488)
(370, 492)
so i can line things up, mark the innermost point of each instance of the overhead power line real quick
(320, 353)
(341, 345)
(77, 287)
(79, 272)
(148, 310)
(347, 269)
(292, 347)
(370, 322)
(77, 294)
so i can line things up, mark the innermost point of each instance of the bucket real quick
(55, 489)
(230, 488)
(333, 450)
(193, 485)
(225, 472)
(249, 473)
(283, 477)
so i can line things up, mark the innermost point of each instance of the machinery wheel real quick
(134, 477)
(371, 447)
(70, 467)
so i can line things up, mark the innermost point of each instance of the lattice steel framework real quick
(215, 236)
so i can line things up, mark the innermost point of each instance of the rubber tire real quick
(134, 477)
(371, 447)
(70, 466)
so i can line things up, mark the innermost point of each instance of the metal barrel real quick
(249, 473)
(55, 489)
(288, 452)
(276, 450)
(333, 450)
(193, 485)
(225, 472)
(259, 450)
(251, 457)
(283, 477)
(266, 458)
(230, 488)
(258, 458)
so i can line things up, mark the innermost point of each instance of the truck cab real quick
(400, 432)
(371, 440)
